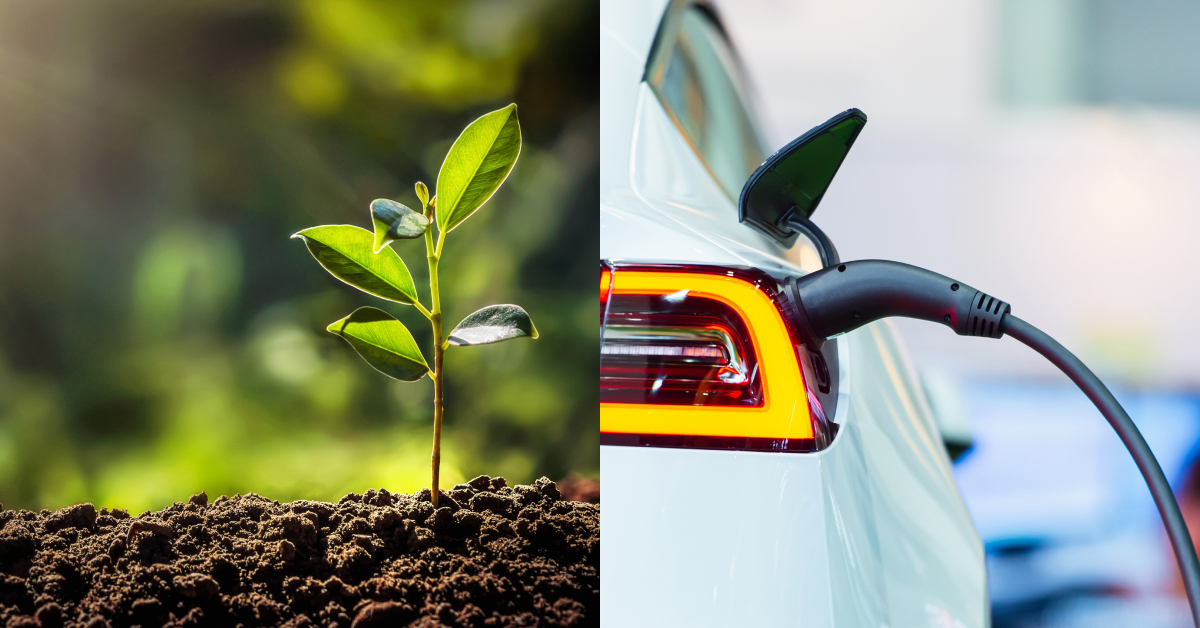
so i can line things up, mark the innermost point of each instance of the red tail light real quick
(703, 357)
(606, 278)
(672, 349)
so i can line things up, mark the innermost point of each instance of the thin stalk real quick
(435, 319)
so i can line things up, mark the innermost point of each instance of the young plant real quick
(476, 165)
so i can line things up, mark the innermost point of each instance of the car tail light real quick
(703, 357)
(672, 349)
(606, 278)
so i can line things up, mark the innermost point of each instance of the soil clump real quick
(491, 555)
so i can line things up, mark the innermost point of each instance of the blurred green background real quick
(162, 335)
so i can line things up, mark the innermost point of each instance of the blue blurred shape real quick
(1064, 515)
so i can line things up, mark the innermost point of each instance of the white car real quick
(751, 478)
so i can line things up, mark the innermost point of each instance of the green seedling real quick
(476, 165)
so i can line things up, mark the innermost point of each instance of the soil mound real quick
(491, 555)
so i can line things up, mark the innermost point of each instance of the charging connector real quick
(841, 298)
(844, 297)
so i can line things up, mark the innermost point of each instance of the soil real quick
(492, 555)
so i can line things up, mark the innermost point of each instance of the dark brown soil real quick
(492, 555)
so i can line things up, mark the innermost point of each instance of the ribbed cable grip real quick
(985, 315)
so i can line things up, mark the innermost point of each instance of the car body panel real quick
(668, 177)
(868, 532)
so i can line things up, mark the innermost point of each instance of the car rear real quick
(749, 479)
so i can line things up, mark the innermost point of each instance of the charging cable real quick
(841, 298)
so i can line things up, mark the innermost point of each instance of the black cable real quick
(1168, 508)
(844, 297)
(825, 248)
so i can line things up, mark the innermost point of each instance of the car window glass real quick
(696, 77)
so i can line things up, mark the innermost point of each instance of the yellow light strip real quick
(784, 413)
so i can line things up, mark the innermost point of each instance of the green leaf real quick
(393, 221)
(493, 324)
(422, 193)
(383, 342)
(346, 252)
(476, 165)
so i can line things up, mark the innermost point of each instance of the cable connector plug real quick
(842, 298)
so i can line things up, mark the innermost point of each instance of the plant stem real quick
(435, 319)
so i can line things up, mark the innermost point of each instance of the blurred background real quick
(162, 335)
(1048, 152)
